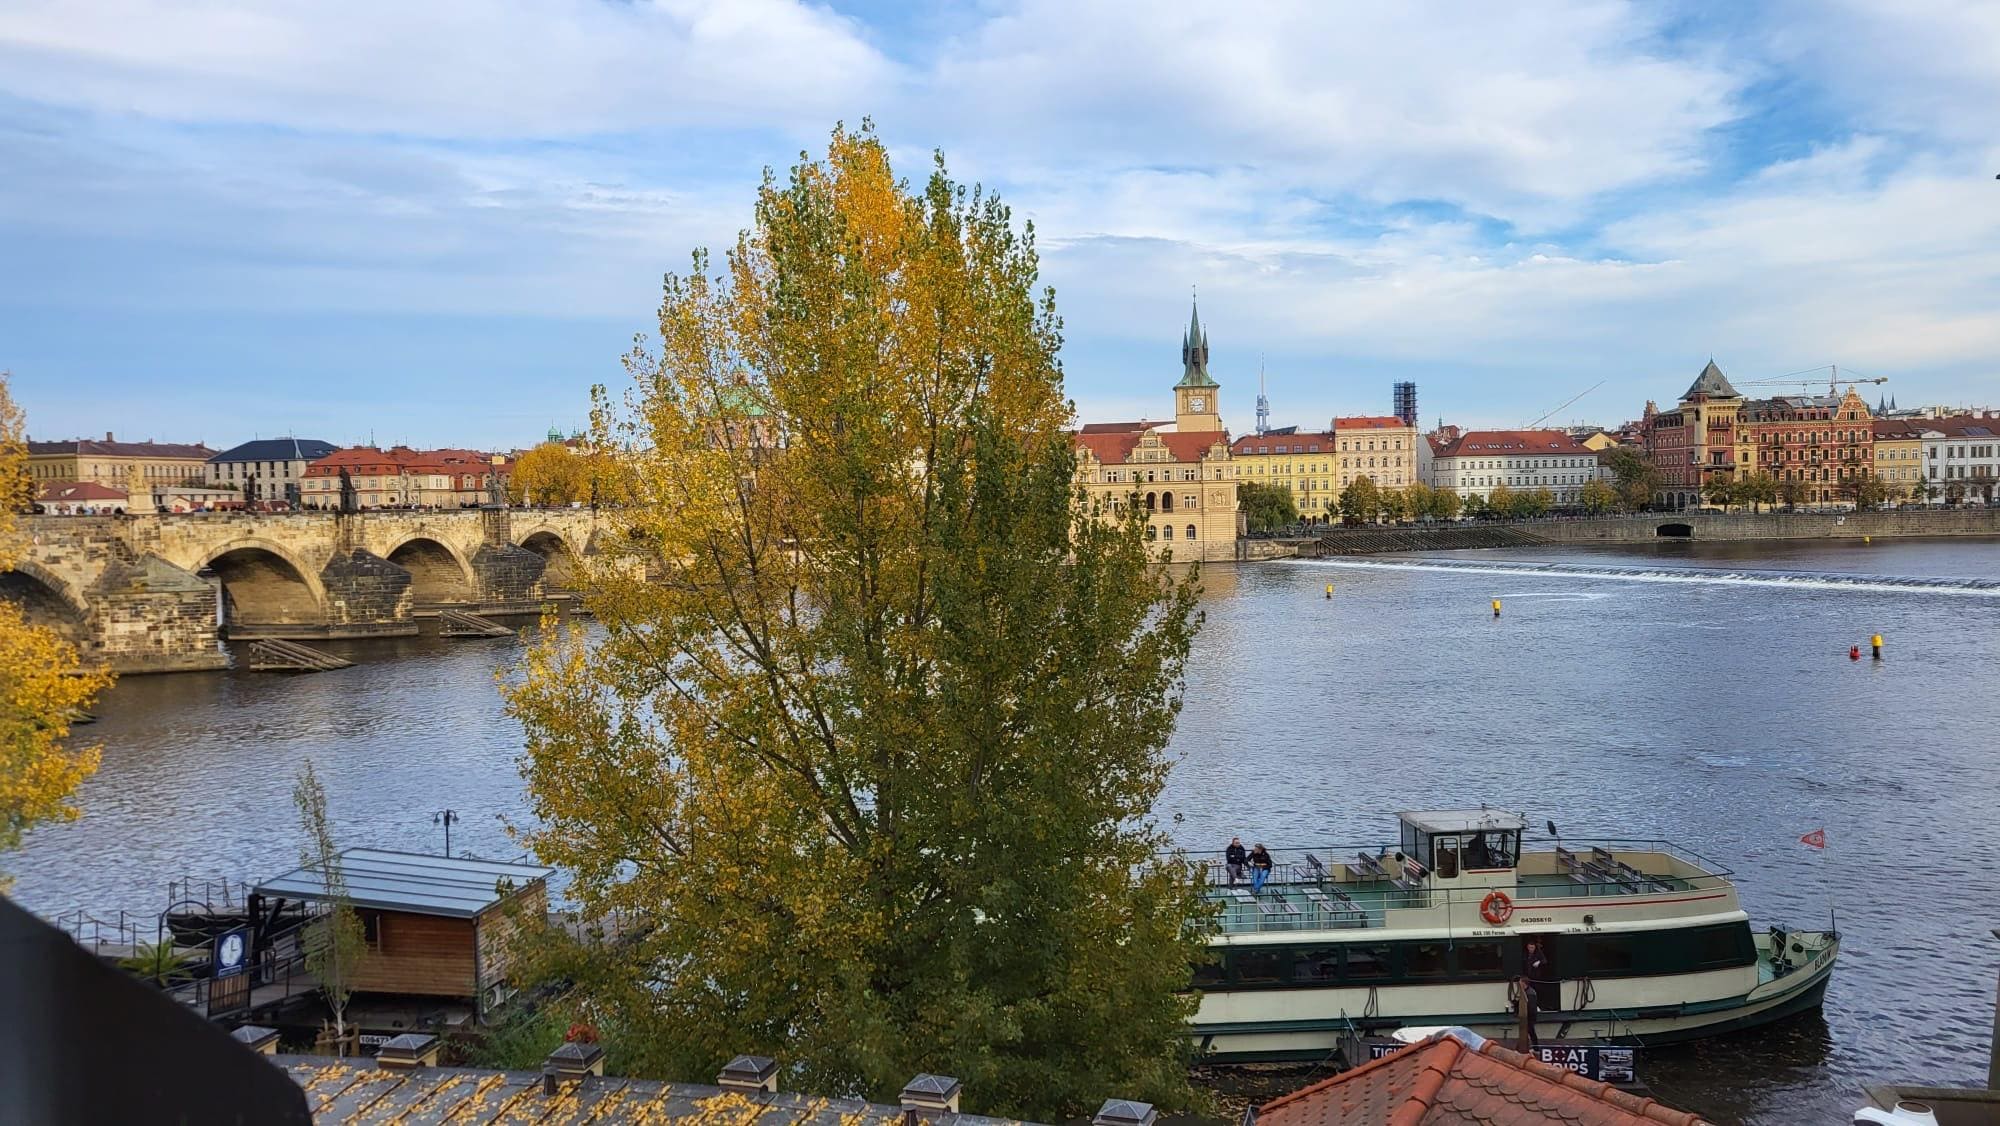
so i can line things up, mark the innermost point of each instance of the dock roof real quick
(458, 887)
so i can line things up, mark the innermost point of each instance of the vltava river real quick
(1686, 697)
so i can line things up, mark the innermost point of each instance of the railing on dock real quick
(275, 655)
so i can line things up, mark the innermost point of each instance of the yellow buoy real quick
(1875, 643)
(1496, 607)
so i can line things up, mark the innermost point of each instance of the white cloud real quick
(466, 68)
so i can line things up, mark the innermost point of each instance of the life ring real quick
(1496, 908)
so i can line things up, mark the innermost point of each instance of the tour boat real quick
(1642, 942)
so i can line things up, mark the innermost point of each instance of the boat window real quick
(1256, 967)
(1368, 962)
(1610, 954)
(1726, 945)
(1445, 849)
(1424, 959)
(1482, 959)
(1317, 964)
(1493, 848)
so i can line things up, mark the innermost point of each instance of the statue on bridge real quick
(349, 503)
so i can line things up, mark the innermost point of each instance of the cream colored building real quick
(112, 463)
(1181, 472)
(1899, 455)
(1316, 465)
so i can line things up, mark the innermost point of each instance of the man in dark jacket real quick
(1235, 858)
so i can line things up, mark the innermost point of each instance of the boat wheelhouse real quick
(1639, 942)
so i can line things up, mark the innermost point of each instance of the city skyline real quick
(258, 224)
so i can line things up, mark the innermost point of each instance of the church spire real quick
(1194, 352)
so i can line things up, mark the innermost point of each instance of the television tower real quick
(1263, 402)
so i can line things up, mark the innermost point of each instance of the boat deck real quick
(1345, 905)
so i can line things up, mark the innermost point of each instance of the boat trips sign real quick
(1601, 1062)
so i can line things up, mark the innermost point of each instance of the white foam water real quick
(1737, 576)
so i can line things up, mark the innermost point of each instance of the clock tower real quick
(1195, 406)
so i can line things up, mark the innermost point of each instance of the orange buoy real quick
(1854, 652)
(1496, 908)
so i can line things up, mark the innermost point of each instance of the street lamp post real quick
(445, 817)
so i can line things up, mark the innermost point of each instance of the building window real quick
(1190, 531)
(1167, 532)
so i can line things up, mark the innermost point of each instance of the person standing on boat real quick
(1234, 858)
(1260, 867)
(1545, 987)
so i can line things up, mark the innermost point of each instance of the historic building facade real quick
(118, 465)
(1899, 455)
(401, 477)
(1819, 447)
(1962, 458)
(1382, 448)
(268, 469)
(1315, 465)
(1179, 472)
(1476, 462)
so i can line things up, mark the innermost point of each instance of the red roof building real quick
(400, 477)
(79, 498)
(1448, 1081)
(1479, 461)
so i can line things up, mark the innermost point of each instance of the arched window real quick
(1167, 532)
(1190, 531)
(1150, 533)
(1152, 502)
(1166, 502)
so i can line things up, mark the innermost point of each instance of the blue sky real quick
(441, 223)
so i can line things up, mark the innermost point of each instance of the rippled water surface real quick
(1700, 693)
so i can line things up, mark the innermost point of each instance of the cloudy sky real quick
(441, 222)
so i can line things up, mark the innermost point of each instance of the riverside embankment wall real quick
(1644, 528)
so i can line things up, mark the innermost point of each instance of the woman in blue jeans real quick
(1260, 868)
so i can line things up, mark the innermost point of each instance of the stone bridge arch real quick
(264, 583)
(559, 554)
(46, 599)
(439, 571)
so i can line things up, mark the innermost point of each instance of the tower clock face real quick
(1197, 403)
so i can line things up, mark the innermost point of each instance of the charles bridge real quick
(157, 593)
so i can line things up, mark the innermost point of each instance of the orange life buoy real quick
(1496, 908)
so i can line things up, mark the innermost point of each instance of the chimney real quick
(572, 1060)
(410, 1050)
(108, 437)
(1125, 1112)
(750, 1073)
(937, 1094)
(257, 1038)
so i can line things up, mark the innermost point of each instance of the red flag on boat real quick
(1816, 838)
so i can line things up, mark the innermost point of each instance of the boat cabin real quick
(1454, 844)
(436, 926)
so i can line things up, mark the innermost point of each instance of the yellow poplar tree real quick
(549, 474)
(40, 691)
(866, 754)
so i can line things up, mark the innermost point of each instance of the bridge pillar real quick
(147, 615)
(366, 596)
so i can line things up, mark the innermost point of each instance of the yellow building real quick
(1316, 465)
(1179, 472)
(112, 463)
(1899, 455)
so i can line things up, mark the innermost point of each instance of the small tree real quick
(1634, 475)
(1500, 501)
(1358, 500)
(1597, 497)
(1720, 491)
(1445, 504)
(1266, 506)
(335, 943)
(1756, 489)
(1790, 492)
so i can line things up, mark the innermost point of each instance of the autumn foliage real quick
(41, 688)
(864, 760)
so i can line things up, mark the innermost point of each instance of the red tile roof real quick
(1897, 428)
(1516, 443)
(1114, 448)
(70, 491)
(1284, 443)
(1370, 422)
(1445, 1080)
(1119, 427)
(398, 459)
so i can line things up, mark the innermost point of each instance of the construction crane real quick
(1833, 380)
(1561, 405)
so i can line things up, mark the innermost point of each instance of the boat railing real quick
(1316, 863)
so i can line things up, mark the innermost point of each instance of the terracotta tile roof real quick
(1371, 422)
(1514, 443)
(1445, 1080)
(1897, 429)
(1119, 427)
(78, 491)
(1116, 448)
(1290, 443)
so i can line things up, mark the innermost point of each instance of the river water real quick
(1693, 692)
